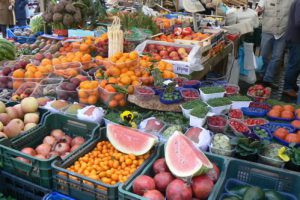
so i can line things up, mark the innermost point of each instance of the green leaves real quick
(239, 98)
(212, 90)
(200, 111)
(192, 104)
(219, 102)
(246, 146)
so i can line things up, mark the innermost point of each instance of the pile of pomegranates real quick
(165, 185)
(57, 143)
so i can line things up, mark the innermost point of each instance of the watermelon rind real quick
(129, 146)
(200, 166)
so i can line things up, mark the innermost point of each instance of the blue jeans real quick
(293, 68)
(275, 48)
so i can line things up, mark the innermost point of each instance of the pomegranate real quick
(40, 156)
(179, 190)
(63, 156)
(74, 147)
(66, 139)
(62, 148)
(162, 180)
(202, 186)
(153, 195)
(142, 184)
(43, 149)
(49, 140)
(160, 165)
(214, 173)
(53, 154)
(29, 151)
(23, 159)
(57, 133)
(77, 140)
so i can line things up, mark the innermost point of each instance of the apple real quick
(163, 53)
(173, 54)
(171, 49)
(160, 47)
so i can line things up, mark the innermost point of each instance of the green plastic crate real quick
(43, 113)
(125, 190)
(40, 171)
(84, 188)
(263, 176)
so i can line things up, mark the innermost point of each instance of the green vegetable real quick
(192, 104)
(239, 190)
(246, 146)
(200, 111)
(172, 118)
(254, 193)
(169, 131)
(273, 195)
(212, 90)
(219, 102)
(239, 98)
(295, 155)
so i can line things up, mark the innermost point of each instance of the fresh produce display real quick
(17, 119)
(270, 154)
(238, 127)
(170, 97)
(283, 134)
(167, 52)
(183, 158)
(235, 114)
(221, 145)
(247, 148)
(212, 90)
(170, 131)
(259, 93)
(182, 34)
(262, 133)
(279, 112)
(192, 104)
(88, 92)
(217, 102)
(200, 111)
(144, 93)
(255, 121)
(239, 98)
(199, 136)
(151, 125)
(217, 124)
(231, 90)
(254, 112)
(8, 50)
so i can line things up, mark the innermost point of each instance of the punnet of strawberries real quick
(259, 91)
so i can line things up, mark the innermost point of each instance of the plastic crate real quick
(43, 114)
(19, 188)
(82, 187)
(39, 170)
(57, 196)
(125, 190)
(263, 176)
(22, 39)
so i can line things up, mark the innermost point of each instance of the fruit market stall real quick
(135, 113)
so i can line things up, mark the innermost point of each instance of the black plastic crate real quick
(20, 189)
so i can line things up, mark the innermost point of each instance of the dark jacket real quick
(293, 30)
(20, 9)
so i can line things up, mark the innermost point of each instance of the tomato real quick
(281, 133)
(292, 138)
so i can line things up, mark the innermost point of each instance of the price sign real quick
(181, 69)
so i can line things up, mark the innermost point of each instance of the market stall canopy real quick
(193, 6)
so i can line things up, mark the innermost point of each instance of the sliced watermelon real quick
(130, 141)
(183, 158)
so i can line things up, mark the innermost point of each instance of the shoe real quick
(291, 93)
(269, 84)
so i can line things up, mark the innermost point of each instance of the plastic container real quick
(54, 109)
(107, 98)
(220, 109)
(66, 95)
(164, 101)
(144, 93)
(263, 176)
(240, 104)
(82, 187)
(45, 90)
(257, 98)
(186, 112)
(6, 82)
(206, 97)
(222, 152)
(256, 112)
(19, 188)
(131, 63)
(285, 143)
(237, 133)
(89, 65)
(126, 191)
(51, 81)
(237, 110)
(269, 136)
(231, 183)
(196, 121)
(264, 106)
(260, 119)
(25, 90)
(236, 89)
(90, 97)
(69, 65)
(217, 129)
(273, 126)
(279, 119)
(68, 70)
(180, 81)
(191, 90)
(270, 161)
(191, 84)
(57, 196)
(39, 171)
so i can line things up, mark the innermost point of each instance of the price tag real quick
(181, 69)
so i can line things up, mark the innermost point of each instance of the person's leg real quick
(293, 70)
(266, 49)
(277, 53)
(3, 30)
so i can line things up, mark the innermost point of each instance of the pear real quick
(29, 126)
(2, 107)
(14, 128)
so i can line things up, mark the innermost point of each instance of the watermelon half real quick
(130, 141)
(183, 158)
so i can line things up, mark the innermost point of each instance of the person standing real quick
(293, 42)
(274, 23)
(7, 17)
(20, 10)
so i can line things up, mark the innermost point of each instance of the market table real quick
(218, 62)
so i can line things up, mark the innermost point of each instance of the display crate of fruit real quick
(126, 190)
(262, 176)
(25, 90)
(112, 99)
(67, 134)
(85, 186)
(22, 34)
(185, 58)
(18, 188)
(18, 82)
(47, 87)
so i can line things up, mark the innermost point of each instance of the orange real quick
(296, 123)
(46, 61)
(110, 88)
(277, 107)
(287, 114)
(125, 80)
(29, 74)
(84, 47)
(292, 138)
(103, 83)
(133, 55)
(38, 74)
(122, 103)
(119, 96)
(92, 99)
(82, 94)
(19, 73)
(274, 113)
(112, 80)
(113, 104)
(289, 108)
(86, 58)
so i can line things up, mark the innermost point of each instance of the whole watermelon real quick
(7, 50)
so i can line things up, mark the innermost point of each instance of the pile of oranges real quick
(107, 164)
(88, 92)
(84, 46)
(286, 112)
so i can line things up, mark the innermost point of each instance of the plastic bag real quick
(194, 57)
(247, 74)
(249, 57)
